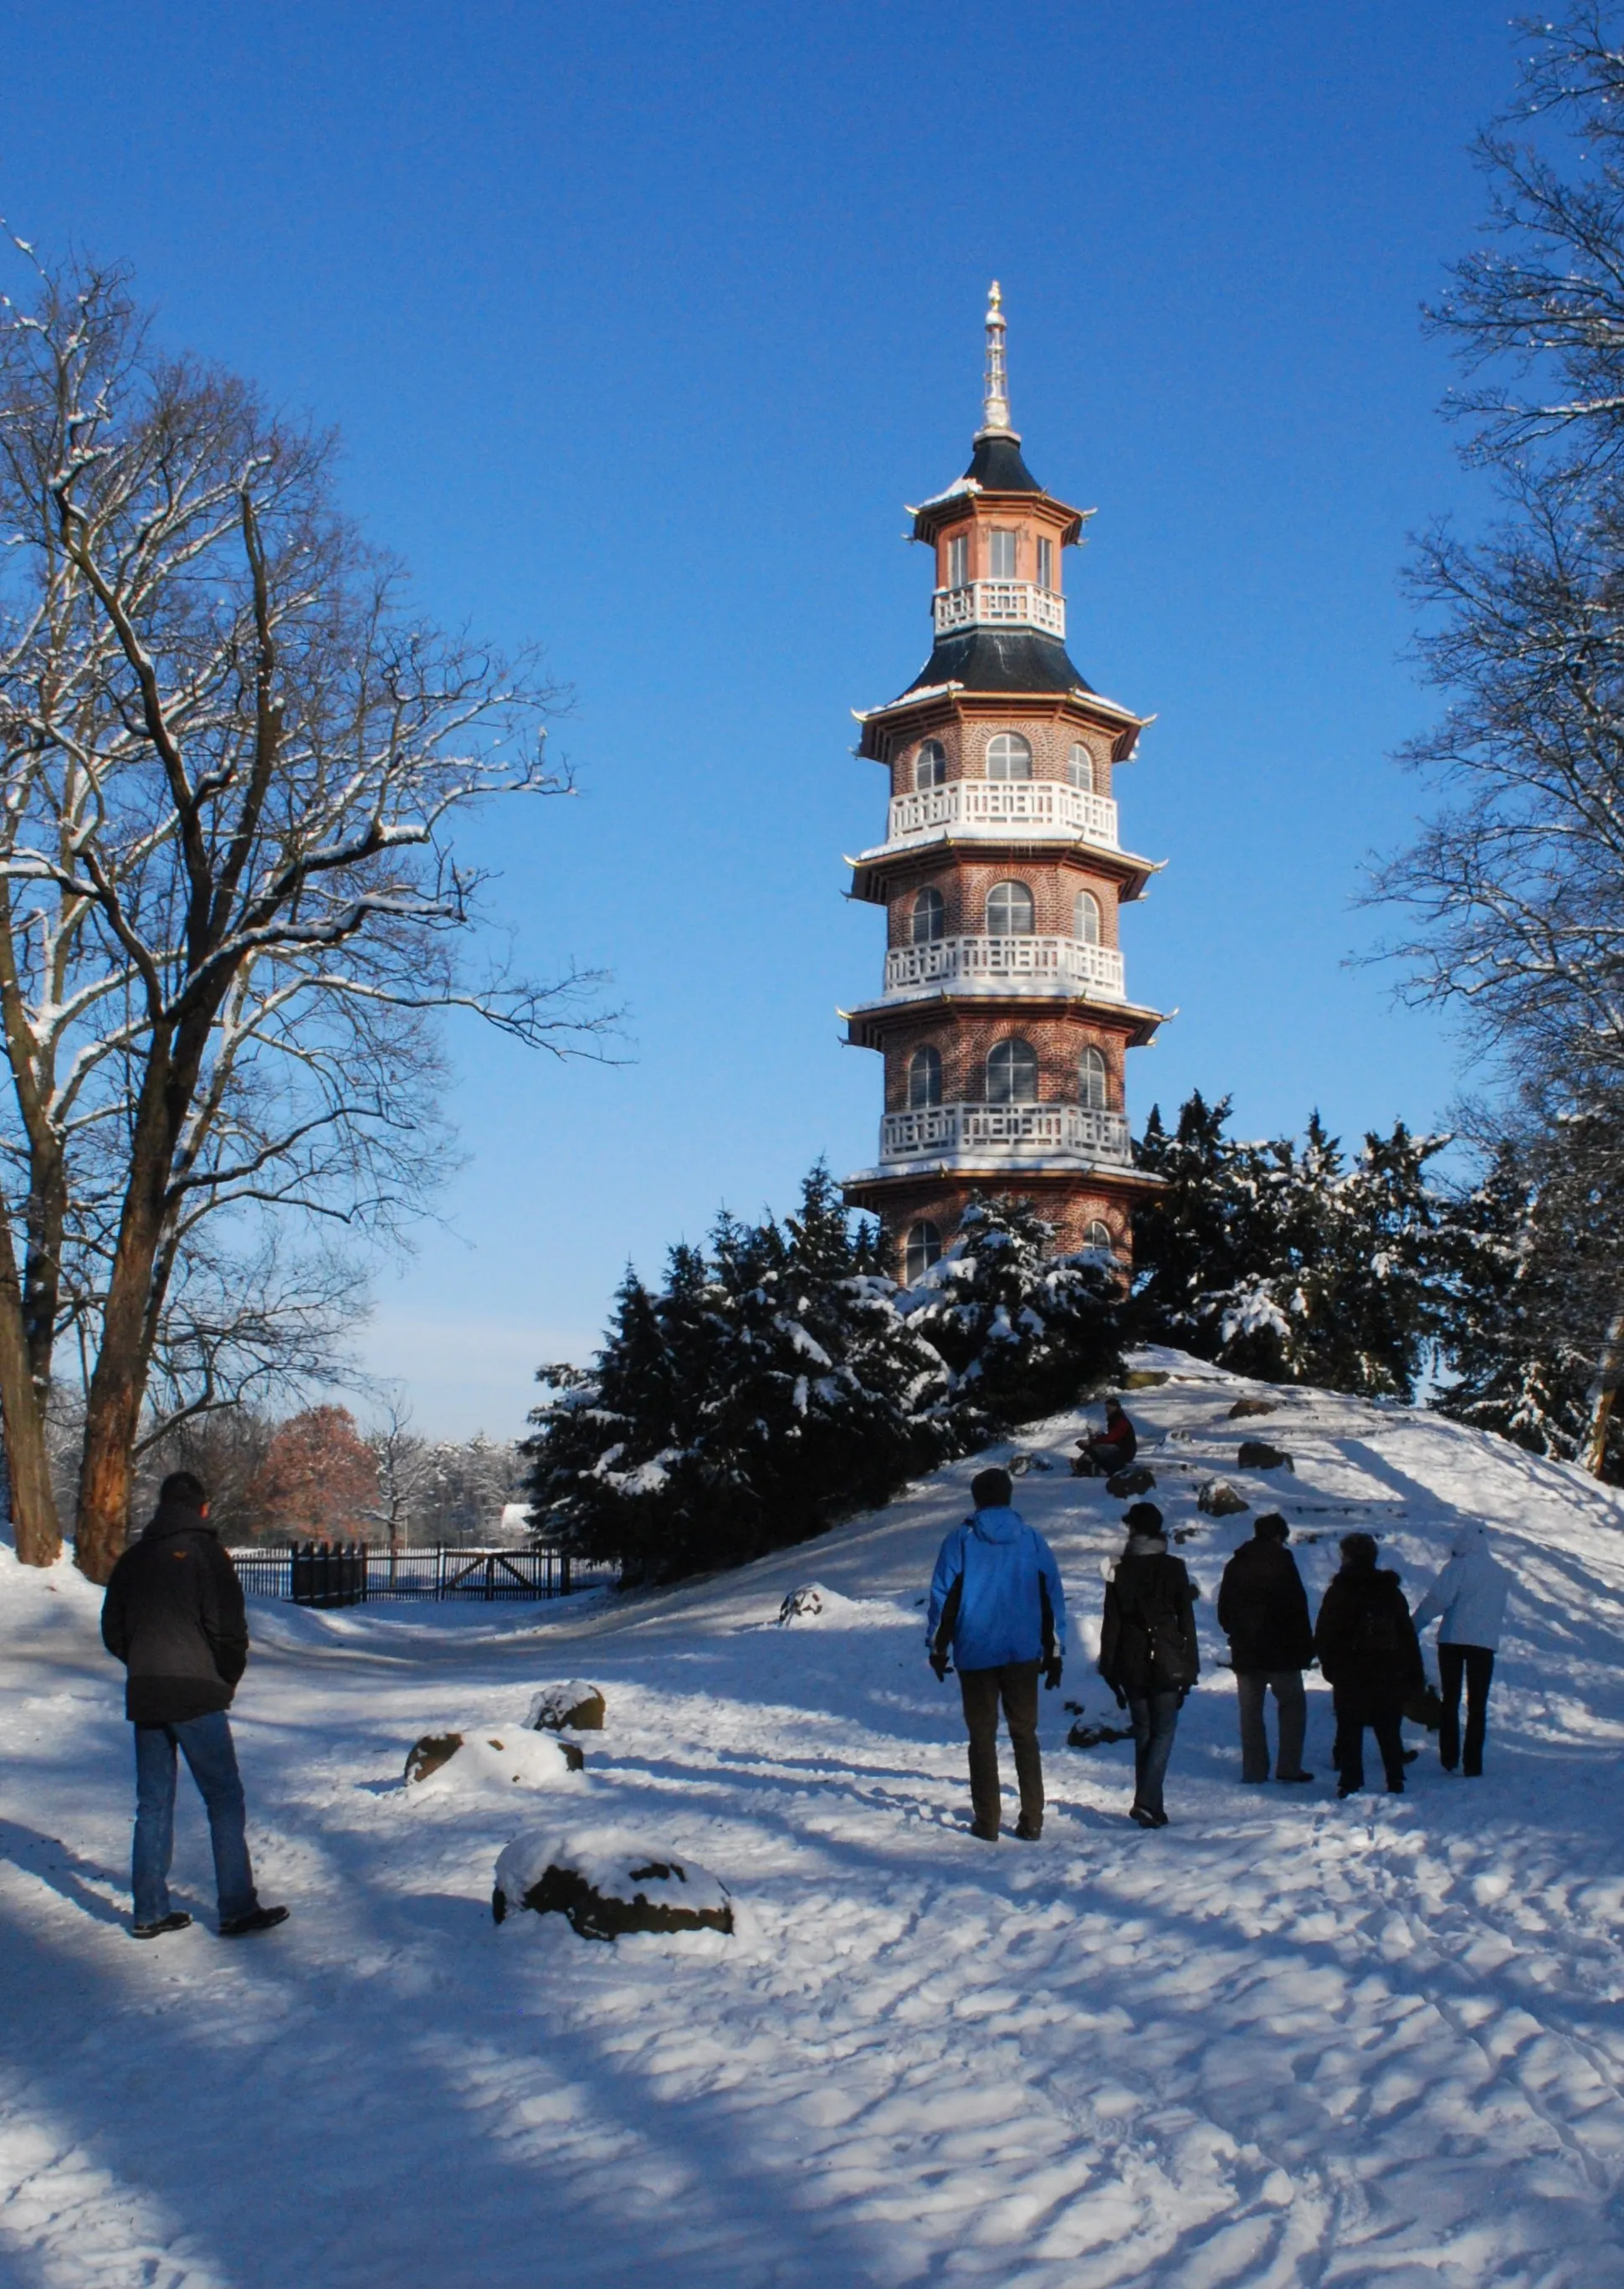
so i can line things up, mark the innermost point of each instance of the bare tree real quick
(229, 907)
(1550, 306)
(1516, 884)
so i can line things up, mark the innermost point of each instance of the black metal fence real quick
(355, 1573)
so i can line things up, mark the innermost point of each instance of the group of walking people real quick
(998, 1609)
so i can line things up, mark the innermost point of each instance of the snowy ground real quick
(1283, 2041)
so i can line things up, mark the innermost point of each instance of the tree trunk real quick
(113, 1414)
(28, 1455)
(1603, 1393)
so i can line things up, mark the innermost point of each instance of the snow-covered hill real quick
(1283, 2041)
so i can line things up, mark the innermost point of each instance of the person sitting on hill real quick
(1470, 1596)
(1102, 1458)
(1148, 1652)
(996, 1601)
(1372, 1660)
(1264, 1611)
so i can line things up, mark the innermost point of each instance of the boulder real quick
(1258, 1454)
(572, 1706)
(442, 1764)
(608, 1882)
(1095, 1736)
(1218, 1499)
(1245, 1407)
(804, 1605)
(1136, 1480)
(1145, 1378)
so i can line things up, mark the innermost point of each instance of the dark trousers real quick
(1387, 1725)
(206, 1744)
(1252, 1687)
(1155, 1720)
(1015, 1686)
(1476, 1664)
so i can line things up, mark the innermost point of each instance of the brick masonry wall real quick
(1054, 882)
(964, 1043)
(964, 736)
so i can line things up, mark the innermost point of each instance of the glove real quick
(1121, 1696)
(1051, 1672)
(938, 1662)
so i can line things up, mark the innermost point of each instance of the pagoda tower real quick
(1004, 1018)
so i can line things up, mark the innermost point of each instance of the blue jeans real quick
(205, 1742)
(1155, 1721)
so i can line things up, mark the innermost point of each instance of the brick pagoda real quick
(1004, 1019)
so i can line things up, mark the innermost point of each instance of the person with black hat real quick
(174, 1615)
(997, 1603)
(1148, 1652)
(1264, 1611)
(1372, 1660)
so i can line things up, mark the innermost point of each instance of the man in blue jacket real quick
(996, 1600)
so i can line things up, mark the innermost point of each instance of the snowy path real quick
(1285, 2041)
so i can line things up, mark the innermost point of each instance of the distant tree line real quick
(317, 1475)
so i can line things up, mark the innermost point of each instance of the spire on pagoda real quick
(995, 397)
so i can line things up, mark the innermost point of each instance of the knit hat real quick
(1144, 1518)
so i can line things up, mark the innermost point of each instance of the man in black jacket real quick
(1264, 1611)
(174, 1615)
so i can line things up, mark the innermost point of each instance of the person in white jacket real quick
(1470, 1597)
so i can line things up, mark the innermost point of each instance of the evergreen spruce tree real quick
(1020, 1330)
(771, 1385)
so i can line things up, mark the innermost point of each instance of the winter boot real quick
(258, 1920)
(177, 1921)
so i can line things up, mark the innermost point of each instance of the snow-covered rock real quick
(1136, 1480)
(607, 1881)
(1258, 1454)
(1218, 1499)
(1243, 1407)
(810, 1604)
(449, 1764)
(573, 1706)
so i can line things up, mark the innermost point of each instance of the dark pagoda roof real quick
(997, 466)
(999, 659)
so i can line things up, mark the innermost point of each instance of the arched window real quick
(1010, 912)
(1079, 768)
(1093, 1081)
(1098, 1240)
(930, 765)
(925, 1079)
(1012, 1073)
(920, 1249)
(1086, 918)
(1008, 756)
(929, 918)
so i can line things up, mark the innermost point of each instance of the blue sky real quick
(641, 323)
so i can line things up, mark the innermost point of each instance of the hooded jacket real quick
(1148, 1636)
(996, 1596)
(174, 1615)
(1264, 1610)
(1470, 1593)
(1366, 1642)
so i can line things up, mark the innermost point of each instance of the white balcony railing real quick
(1029, 1131)
(1006, 965)
(1001, 604)
(992, 807)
